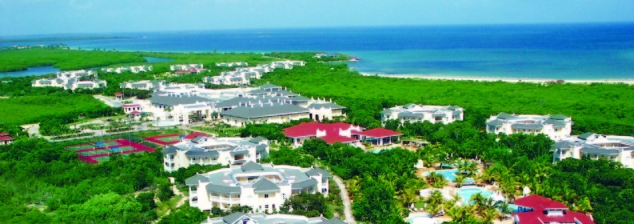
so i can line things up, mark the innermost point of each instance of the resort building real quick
(260, 218)
(232, 64)
(5, 138)
(326, 55)
(338, 132)
(273, 104)
(243, 76)
(187, 68)
(279, 111)
(263, 187)
(555, 127)
(72, 80)
(143, 85)
(198, 148)
(288, 64)
(595, 146)
(420, 113)
(535, 209)
(133, 69)
(181, 106)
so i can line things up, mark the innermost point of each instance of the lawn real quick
(27, 109)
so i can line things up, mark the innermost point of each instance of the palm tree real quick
(353, 186)
(489, 215)
(409, 196)
(460, 180)
(504, 209)
(477, 199)
(584, 205)
(439, 181)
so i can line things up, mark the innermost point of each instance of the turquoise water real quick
(557, 51)
(467, 193)
(153, 59)
(411, 218)
(31, 71)
(447, 174)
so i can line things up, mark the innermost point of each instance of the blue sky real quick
(25, 17)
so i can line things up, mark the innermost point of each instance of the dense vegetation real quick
(600, 108)
(16, 60)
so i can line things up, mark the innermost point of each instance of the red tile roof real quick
(6, 138)
(308, 129)
(380, 133)
(3, 133)
(331, 139)
(538, 202)
(539, 216)
(195, 134)
(136, 112)
(118, 94)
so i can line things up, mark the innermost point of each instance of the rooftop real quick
(260, 218)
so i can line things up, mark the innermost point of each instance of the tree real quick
(460, 180)
(488, 215)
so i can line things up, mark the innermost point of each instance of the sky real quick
(28, 17)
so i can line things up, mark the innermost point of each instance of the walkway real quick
(108, 101)
(347, 208)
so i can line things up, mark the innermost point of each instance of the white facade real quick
(261, 218)
(420, 113)
(595, 146)
(180, 67)
(143, 85)
(232, 64)
(210, 151)
(133, 69)
(556, 127)
(263, 187)
(179, 105)
(71, 80)
(242, 76)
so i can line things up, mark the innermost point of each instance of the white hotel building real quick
(206, 150)
(556, 127)
(596, 146)
(71, 80)
(263, 187)
(420, 113)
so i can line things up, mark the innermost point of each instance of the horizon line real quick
(323, 27)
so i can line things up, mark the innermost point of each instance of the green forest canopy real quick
(601, 108)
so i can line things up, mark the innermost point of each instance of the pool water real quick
(447, 174)
(467, 193)
(419, 218)
(166, 123)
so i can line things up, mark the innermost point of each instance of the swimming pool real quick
(166, 123)
(447, 174)
(420, 218)
(467, 192)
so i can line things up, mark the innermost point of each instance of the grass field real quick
(79, 147)
(170, 139)
(99, 151)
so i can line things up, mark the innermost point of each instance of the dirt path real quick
(347, 208)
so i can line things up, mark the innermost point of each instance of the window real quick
(266, 206)
(324, 190)
(266, 195)
(284, 196)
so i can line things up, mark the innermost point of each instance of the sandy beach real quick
(495, 79)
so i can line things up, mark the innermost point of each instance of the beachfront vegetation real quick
(600, 108)
(16, 60)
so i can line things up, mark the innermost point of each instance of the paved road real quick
(109, 102)
(347, 208)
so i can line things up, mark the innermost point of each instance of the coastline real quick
(501, 79)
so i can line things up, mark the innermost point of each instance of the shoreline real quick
(496, 79)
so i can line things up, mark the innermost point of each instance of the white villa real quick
(71, 80)
(205, 150)
(232, 64)
(260, 218)
(596, 146)
(287, 64)
(187, 68)
(272, 104)
(243, 76)
(133, 69)
(143, 85)
(263, 187)
(556, 127)
(179, 106)
(420, 113)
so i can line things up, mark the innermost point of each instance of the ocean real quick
(554, 51)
